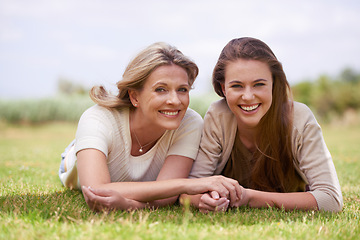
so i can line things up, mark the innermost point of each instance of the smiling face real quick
(164, 98)
(248, 90)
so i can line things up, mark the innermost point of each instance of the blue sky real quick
(91, 41)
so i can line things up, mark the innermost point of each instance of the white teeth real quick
(169, 113)
(249, 108)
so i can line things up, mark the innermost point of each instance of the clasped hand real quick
(104, 200)
(213, 202)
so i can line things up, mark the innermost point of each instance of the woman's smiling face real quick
(248, 90)
(164, 98)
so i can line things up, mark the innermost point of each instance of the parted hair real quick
(139, 69)
(273, 169)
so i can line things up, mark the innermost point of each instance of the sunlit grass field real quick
(34, 205)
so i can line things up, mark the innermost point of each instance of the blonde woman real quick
(136, 149)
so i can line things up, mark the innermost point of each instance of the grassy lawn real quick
(34, 205)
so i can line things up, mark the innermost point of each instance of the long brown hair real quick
(273, 167)
(139, 69)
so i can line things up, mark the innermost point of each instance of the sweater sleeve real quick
(186, 138)
(94, 130)
(216, 142)
(209, 151)
(315, 161)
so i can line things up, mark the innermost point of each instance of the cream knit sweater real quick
(108, 131)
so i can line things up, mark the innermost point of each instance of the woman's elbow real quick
(334, 205)
(338, 206)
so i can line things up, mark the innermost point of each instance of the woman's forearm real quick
(146, 191)
(288, 201)
(107, 199)
(259, 199)
(163, 189)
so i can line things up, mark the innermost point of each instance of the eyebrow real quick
(255, 81)
(163, 83)
(260, 80)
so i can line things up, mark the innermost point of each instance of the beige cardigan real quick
(312, 158)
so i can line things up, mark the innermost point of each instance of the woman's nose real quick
(173, 99)
(248, 94)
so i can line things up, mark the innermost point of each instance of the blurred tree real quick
(323, 98)
(68, 87)
(329, 97)
(349, 75)
(302, 92)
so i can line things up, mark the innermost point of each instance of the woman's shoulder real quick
(107, 116)
(100, 109)
(303, 116)
(103, 111)
(219, 107)
(191, 113)
(301, 110)
(192, 117)
(219, 118)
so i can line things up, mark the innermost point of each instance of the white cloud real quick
(36, 9)
(90, 52)
(10, 34)
(309, 37)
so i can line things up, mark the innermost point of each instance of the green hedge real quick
(330, 97)
(66, 108)
(43, 110)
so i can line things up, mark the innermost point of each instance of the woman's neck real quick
(247, 137)
(142, 133)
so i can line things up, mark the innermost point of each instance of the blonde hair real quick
(139, 69)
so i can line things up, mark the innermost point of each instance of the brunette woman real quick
(259, 136)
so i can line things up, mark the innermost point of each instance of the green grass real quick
(34, 205)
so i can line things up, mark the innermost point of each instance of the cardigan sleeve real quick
(216, 142)
(315, 161)
(209, 151)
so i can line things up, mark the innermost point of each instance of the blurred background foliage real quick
(332, 99)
